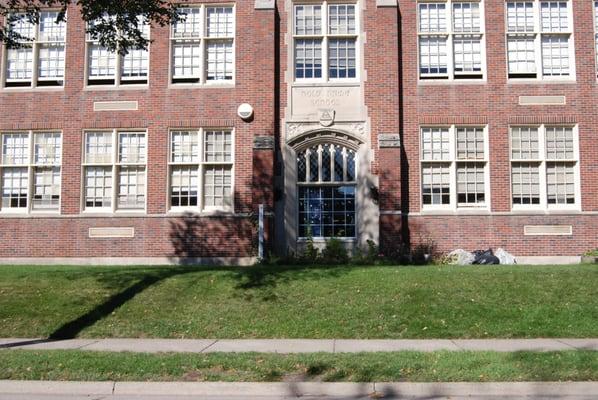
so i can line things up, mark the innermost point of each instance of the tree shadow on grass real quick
(186, 236)
(249, 282)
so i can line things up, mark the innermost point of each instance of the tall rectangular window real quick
(540, 39)
(105, 67)
(39, 61)
(451, 40)
(203, 45)
(544, 166)
(115, 170)
(454, 165)
(201, 169)
(30, 171)
(325, 41)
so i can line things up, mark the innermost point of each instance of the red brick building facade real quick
(468, 124)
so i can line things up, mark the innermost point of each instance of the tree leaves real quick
(114, 24)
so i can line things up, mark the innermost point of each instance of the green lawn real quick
(314, 302)
(363, 367)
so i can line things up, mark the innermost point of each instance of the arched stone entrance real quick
(328, 189)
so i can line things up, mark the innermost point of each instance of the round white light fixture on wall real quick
(245, 111)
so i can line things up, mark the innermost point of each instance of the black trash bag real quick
(485, 258)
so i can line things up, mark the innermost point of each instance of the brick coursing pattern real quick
(396, 103)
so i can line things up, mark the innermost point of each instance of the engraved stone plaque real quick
(263, 142)
(548, 230)
(111, 233)
(389, 140)
(307, 103)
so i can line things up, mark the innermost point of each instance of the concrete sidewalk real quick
(34, 390)
(288, 346)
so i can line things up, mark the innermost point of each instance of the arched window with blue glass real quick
(326, 179)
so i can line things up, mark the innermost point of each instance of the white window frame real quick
(542, 161)
(538, 34)
(117, 78)
(454, 205)
(114, 166)
(201, 165)
(325, 36)
(35, 78)
(203, 53)
(450, 35)
(31, 167)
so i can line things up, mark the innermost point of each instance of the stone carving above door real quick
(353, 131)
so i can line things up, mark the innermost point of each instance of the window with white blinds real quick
(114, 169)
(451, 40)
(540, 39)
(105, 67)
(39, 61)
(544, 167)
(325, 41)
(454, 167)
(203, 45)
(30, 171)
(201, 170)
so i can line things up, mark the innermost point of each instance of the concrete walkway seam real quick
(298, 389)
(293, 346)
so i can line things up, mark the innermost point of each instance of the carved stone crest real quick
(326, 117)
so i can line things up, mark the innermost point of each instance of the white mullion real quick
(487, 182)
(454, 201)
(542, 168)
(30, 173)
(577, 168)
(450, 48)
(35, 60)
(307, 168)
(203, 34)
(539, 56)
(345, 156)
(331, 166)
(571, 41)
(325, 27)
(320, 150)
(484, 66)
(115, 169)
(200, 171)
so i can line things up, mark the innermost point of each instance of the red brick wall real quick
(161, 107)
(396, 103)
(496, 103)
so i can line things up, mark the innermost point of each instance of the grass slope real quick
(364, 367)
(314, 302)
